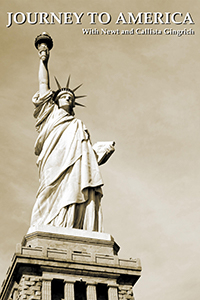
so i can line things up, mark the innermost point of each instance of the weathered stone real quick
(26, 277)
(125, 292)
(36, 288)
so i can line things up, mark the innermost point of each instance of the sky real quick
(143, 93)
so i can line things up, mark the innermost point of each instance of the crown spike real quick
(77, 87)
(68, 80)
(58, 84)
(76, 103)
(80, 96)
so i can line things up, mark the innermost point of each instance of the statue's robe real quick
(70, 191)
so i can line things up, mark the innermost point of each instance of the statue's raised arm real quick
(44, 44)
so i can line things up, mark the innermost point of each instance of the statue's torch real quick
(44, 43)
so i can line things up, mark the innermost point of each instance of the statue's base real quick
(59, 263)
(71, 239)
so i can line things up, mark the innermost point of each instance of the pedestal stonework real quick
(58, 263)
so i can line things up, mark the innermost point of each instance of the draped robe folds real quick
(70, 192)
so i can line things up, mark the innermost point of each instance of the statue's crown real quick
(61, 90)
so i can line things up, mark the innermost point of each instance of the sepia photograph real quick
(100, 143)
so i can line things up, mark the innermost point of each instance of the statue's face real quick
(66, 101)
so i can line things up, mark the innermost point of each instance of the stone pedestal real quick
(69, 264)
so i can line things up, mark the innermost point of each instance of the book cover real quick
(139, 65)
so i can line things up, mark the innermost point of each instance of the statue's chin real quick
(67, 108)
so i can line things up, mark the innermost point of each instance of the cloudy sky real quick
(143, 92)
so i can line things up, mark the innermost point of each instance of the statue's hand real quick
(43, 52)
(111, 147)
(104, 150)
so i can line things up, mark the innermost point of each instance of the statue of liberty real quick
(70, 188)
